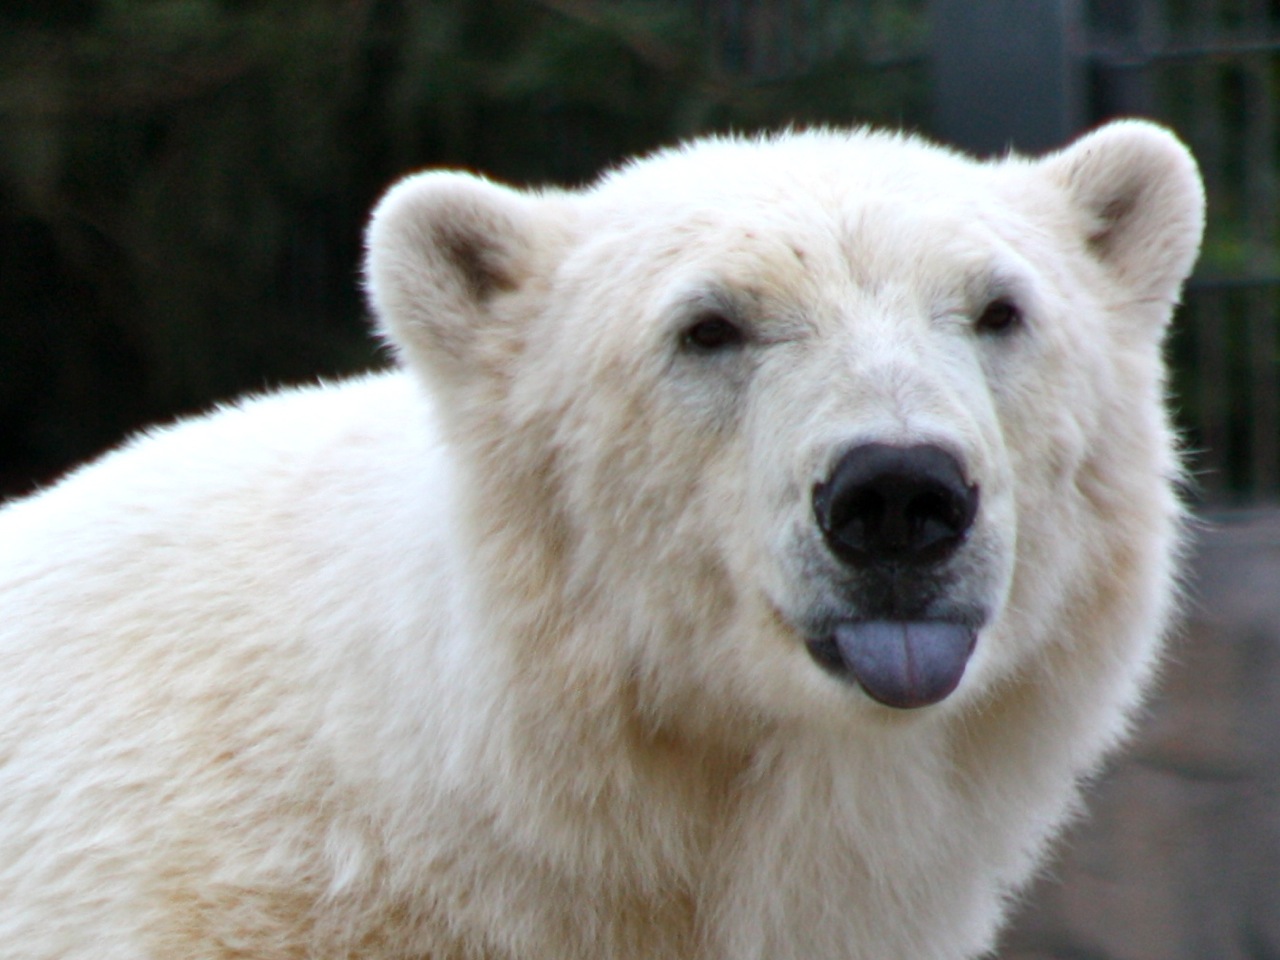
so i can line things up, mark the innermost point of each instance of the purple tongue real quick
(909, 664)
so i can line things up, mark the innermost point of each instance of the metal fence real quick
(1209, 68)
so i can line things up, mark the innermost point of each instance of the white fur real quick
(499, 656)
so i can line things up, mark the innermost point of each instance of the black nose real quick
(895, 504)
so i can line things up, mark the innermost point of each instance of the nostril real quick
(860, 516)
(887, 503)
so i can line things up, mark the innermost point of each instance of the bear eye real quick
(999, 316)
(712, 333)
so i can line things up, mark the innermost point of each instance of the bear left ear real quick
(1138, 193)
(444, 249)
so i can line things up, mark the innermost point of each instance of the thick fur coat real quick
(575, 637)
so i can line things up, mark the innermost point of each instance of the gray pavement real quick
(1179, 856)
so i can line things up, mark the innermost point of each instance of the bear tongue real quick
(905, 664)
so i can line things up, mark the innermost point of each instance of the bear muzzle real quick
(897, 513)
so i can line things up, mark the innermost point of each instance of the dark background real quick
(183, 183)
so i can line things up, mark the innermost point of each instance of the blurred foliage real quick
(183, 183)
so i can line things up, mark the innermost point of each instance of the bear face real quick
(703, 347)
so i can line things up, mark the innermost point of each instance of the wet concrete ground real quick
(1179, 858)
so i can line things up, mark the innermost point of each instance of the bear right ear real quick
(443, 249)
(1137, 192)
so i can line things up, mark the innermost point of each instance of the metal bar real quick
(1123, 55)
(1213, 400)
(1260, 210)
(1263, 411)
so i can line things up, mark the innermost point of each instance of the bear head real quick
(811, 426)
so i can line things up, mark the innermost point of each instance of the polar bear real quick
(748, 558)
